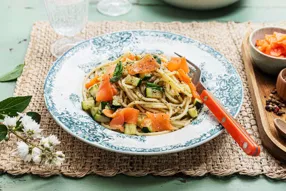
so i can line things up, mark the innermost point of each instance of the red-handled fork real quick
(224, 117)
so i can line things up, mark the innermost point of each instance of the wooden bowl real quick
(268, 64)
(281, 84)
(281, 127)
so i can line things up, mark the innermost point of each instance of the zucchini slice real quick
(198, 103)
(130, 129)
(87, 104)
(93, 90)
(101, 118)
(94, 111)
(153, 93)
(131, 80)
(193, 112)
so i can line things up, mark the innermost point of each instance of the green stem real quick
(26, 141)
(46, 153)
(23, 139)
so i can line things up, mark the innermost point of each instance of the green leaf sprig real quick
(12, 75)
(11, 106)
(35, 116)
(117, 72)
(3, 132)
(157, 59)
(32, 146)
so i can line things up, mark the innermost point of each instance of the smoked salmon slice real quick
(130, 115)
(117, 122)
(121, 116)
(145, 65)
(273, 45)
(105, 90)
(160, 121)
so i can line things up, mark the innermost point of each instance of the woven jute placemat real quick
(220, 156)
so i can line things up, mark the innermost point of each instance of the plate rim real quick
(95, 144)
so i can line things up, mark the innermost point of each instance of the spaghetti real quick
(141, 94)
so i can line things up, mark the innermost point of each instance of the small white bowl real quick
(268, 64)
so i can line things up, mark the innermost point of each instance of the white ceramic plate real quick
(63, 88)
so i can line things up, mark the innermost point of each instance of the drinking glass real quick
(68, 18)
(114, 7)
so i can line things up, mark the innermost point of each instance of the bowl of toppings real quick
(268, 49)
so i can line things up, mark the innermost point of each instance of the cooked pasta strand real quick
(174, 97)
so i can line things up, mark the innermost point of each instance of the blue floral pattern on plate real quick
(63, 96)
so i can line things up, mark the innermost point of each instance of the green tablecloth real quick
(16, 18)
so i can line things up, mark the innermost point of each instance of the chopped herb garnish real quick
(104, 104)
(146, 78)
(154, 86)
(117, 72)
(157, 59)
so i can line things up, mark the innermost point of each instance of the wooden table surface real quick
(16, 19)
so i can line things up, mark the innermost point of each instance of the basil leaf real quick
(157, 59)
(154, 86)
(35, 116)
(3, 132)
(13, 75)
(117, 72)
(12, 105)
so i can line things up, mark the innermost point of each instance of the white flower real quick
(24, 151)
(10, 121)
(50, 141)
(57, 159)
(36, 155)
(32, 129)
(53, 140)
(26, 120)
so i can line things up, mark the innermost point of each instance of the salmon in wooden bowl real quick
(128, 92)
(268, 49)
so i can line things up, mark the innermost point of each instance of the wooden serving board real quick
(260, 86)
